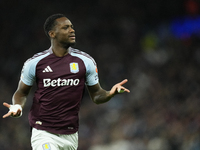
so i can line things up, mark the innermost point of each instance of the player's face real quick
(64, 31)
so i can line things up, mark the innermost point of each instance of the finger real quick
(122, 90)
(119, 90)
(17, 113)
(123, 82)
(6, 104)
(7, 115)
(127, 90)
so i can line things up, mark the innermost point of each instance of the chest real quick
(54, 68)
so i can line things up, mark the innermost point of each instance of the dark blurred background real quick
(155, 44)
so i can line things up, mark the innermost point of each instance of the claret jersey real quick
(60, 86)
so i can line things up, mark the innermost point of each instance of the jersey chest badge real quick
(46, 146)
(74, 68)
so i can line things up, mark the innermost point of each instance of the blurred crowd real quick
(128, 39)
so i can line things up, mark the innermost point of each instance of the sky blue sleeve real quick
(91, 73)
(28, 73)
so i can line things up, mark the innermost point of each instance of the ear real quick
(51, 34)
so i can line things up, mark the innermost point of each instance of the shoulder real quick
(82, 55)
(37, 57)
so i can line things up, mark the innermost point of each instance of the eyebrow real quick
(71, 25)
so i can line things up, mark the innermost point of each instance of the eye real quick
(72, 27)
(66, 27)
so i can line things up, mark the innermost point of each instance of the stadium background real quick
(153, 43)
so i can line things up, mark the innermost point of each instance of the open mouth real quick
(72, 37)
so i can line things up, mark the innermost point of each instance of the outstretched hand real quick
(16, 111)
(118, 88)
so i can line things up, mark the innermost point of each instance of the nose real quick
(72, 30)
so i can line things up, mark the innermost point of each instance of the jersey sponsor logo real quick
(74, 67)
(46, 146)
(47, 69)
(60, 82)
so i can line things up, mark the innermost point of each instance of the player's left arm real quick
(99, 95)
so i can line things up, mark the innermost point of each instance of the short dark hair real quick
(51, 22)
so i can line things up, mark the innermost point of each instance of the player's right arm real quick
(18, 100)
(27, 80)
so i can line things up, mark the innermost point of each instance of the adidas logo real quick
(47, 69)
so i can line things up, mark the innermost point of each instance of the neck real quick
(59, 50)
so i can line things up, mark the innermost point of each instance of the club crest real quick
(74, 68)
(46, 146)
